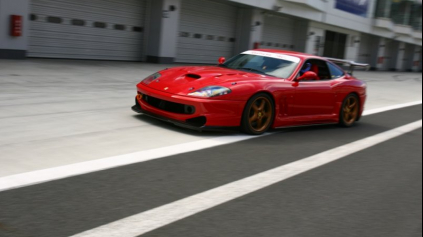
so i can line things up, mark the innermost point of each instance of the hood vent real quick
(195, 76)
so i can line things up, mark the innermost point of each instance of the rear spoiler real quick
(351, 64)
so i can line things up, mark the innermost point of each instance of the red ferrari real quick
(255, 91)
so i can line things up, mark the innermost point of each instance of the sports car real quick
(255, 91)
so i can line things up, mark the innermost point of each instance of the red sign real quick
(16, 26)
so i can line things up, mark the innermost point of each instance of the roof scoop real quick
(195, 76)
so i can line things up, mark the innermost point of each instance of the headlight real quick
(211, 91)
(151, 78)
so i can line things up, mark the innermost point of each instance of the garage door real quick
(82, 29)
(278, 33)
(207, 31)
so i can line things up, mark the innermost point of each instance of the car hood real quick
(185, 80)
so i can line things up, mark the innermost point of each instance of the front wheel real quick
(258, 115)
(350, 111)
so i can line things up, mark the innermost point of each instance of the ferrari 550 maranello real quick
(255, 91)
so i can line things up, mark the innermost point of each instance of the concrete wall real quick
(400, 57)
(13, 47)
(301, 35)
(369, 50)
(245, 26)
(381, 51)
(408, 58)
(417, 64)
(392, 51)
(163, 31)
(324, 11)
(288, 8)
(319, 30)
(351, 21)
(315, 40)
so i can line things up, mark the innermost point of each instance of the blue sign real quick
(357, 7)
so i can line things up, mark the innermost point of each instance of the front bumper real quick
(218, 114)
(138, 109)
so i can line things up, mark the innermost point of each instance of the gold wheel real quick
(350, 111)
(260, 114)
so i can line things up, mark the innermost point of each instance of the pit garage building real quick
(383, 33)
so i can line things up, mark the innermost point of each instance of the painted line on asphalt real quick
(156, 218)
(393, 107)
(62, 172)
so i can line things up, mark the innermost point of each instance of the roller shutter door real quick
(207, 31)
(87, 29)
(278, 33)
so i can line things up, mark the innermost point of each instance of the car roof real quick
(303, 56)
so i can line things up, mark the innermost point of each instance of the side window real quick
(319, 67)
(335, 71)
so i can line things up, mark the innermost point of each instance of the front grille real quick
(169, 106)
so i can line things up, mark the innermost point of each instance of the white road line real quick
(393, 107)
(150, 220)
(46, 175)
(56, 173)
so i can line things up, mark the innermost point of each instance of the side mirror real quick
(308, 76)
(222, 60)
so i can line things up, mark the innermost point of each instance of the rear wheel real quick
(350, 111)
(258, 115)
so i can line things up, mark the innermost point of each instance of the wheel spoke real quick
(354, 114)
(260, 123)
(255, 108)
(254, 118)
(346, 110)
(347, 117)
(262, 105)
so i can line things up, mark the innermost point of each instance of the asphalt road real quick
(373, 193)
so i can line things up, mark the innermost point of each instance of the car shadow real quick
(155, 122)
(169, 126)
(310, 128)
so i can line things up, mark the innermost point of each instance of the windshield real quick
(276, 65)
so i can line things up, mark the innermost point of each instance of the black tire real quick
(350, 111)
(265, 116)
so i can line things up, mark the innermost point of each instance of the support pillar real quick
(381, 54)
(163, 31)
(249, 30)
(13, 47)
(400, 57)
(417, 59)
